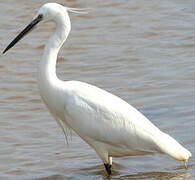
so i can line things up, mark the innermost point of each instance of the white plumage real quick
(106, 122)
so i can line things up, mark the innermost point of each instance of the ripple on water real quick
(142, 51)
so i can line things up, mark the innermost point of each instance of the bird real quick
(106, 122)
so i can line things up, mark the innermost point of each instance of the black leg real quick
(108, 168)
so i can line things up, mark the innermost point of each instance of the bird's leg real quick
(108, 166)
(107, 160)
(110, 160)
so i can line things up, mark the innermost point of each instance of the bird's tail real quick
(170, 146)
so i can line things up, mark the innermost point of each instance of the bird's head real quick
(48, 12)
(51, 12)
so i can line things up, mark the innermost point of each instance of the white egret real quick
(106, 122)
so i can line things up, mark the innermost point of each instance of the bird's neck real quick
(47, 69)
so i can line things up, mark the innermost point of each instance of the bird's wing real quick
(102, 116)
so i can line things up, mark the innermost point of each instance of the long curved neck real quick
(47, 68)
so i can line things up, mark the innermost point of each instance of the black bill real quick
(24, 32)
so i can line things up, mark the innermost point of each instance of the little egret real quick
(106, 122)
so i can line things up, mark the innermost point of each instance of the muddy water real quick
(142, 51)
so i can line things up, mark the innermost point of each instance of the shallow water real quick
(142, 51)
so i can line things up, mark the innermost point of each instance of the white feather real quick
(78, 10)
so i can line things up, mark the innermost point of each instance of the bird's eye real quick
(40, 16)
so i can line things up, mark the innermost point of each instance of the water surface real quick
(142, 51)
